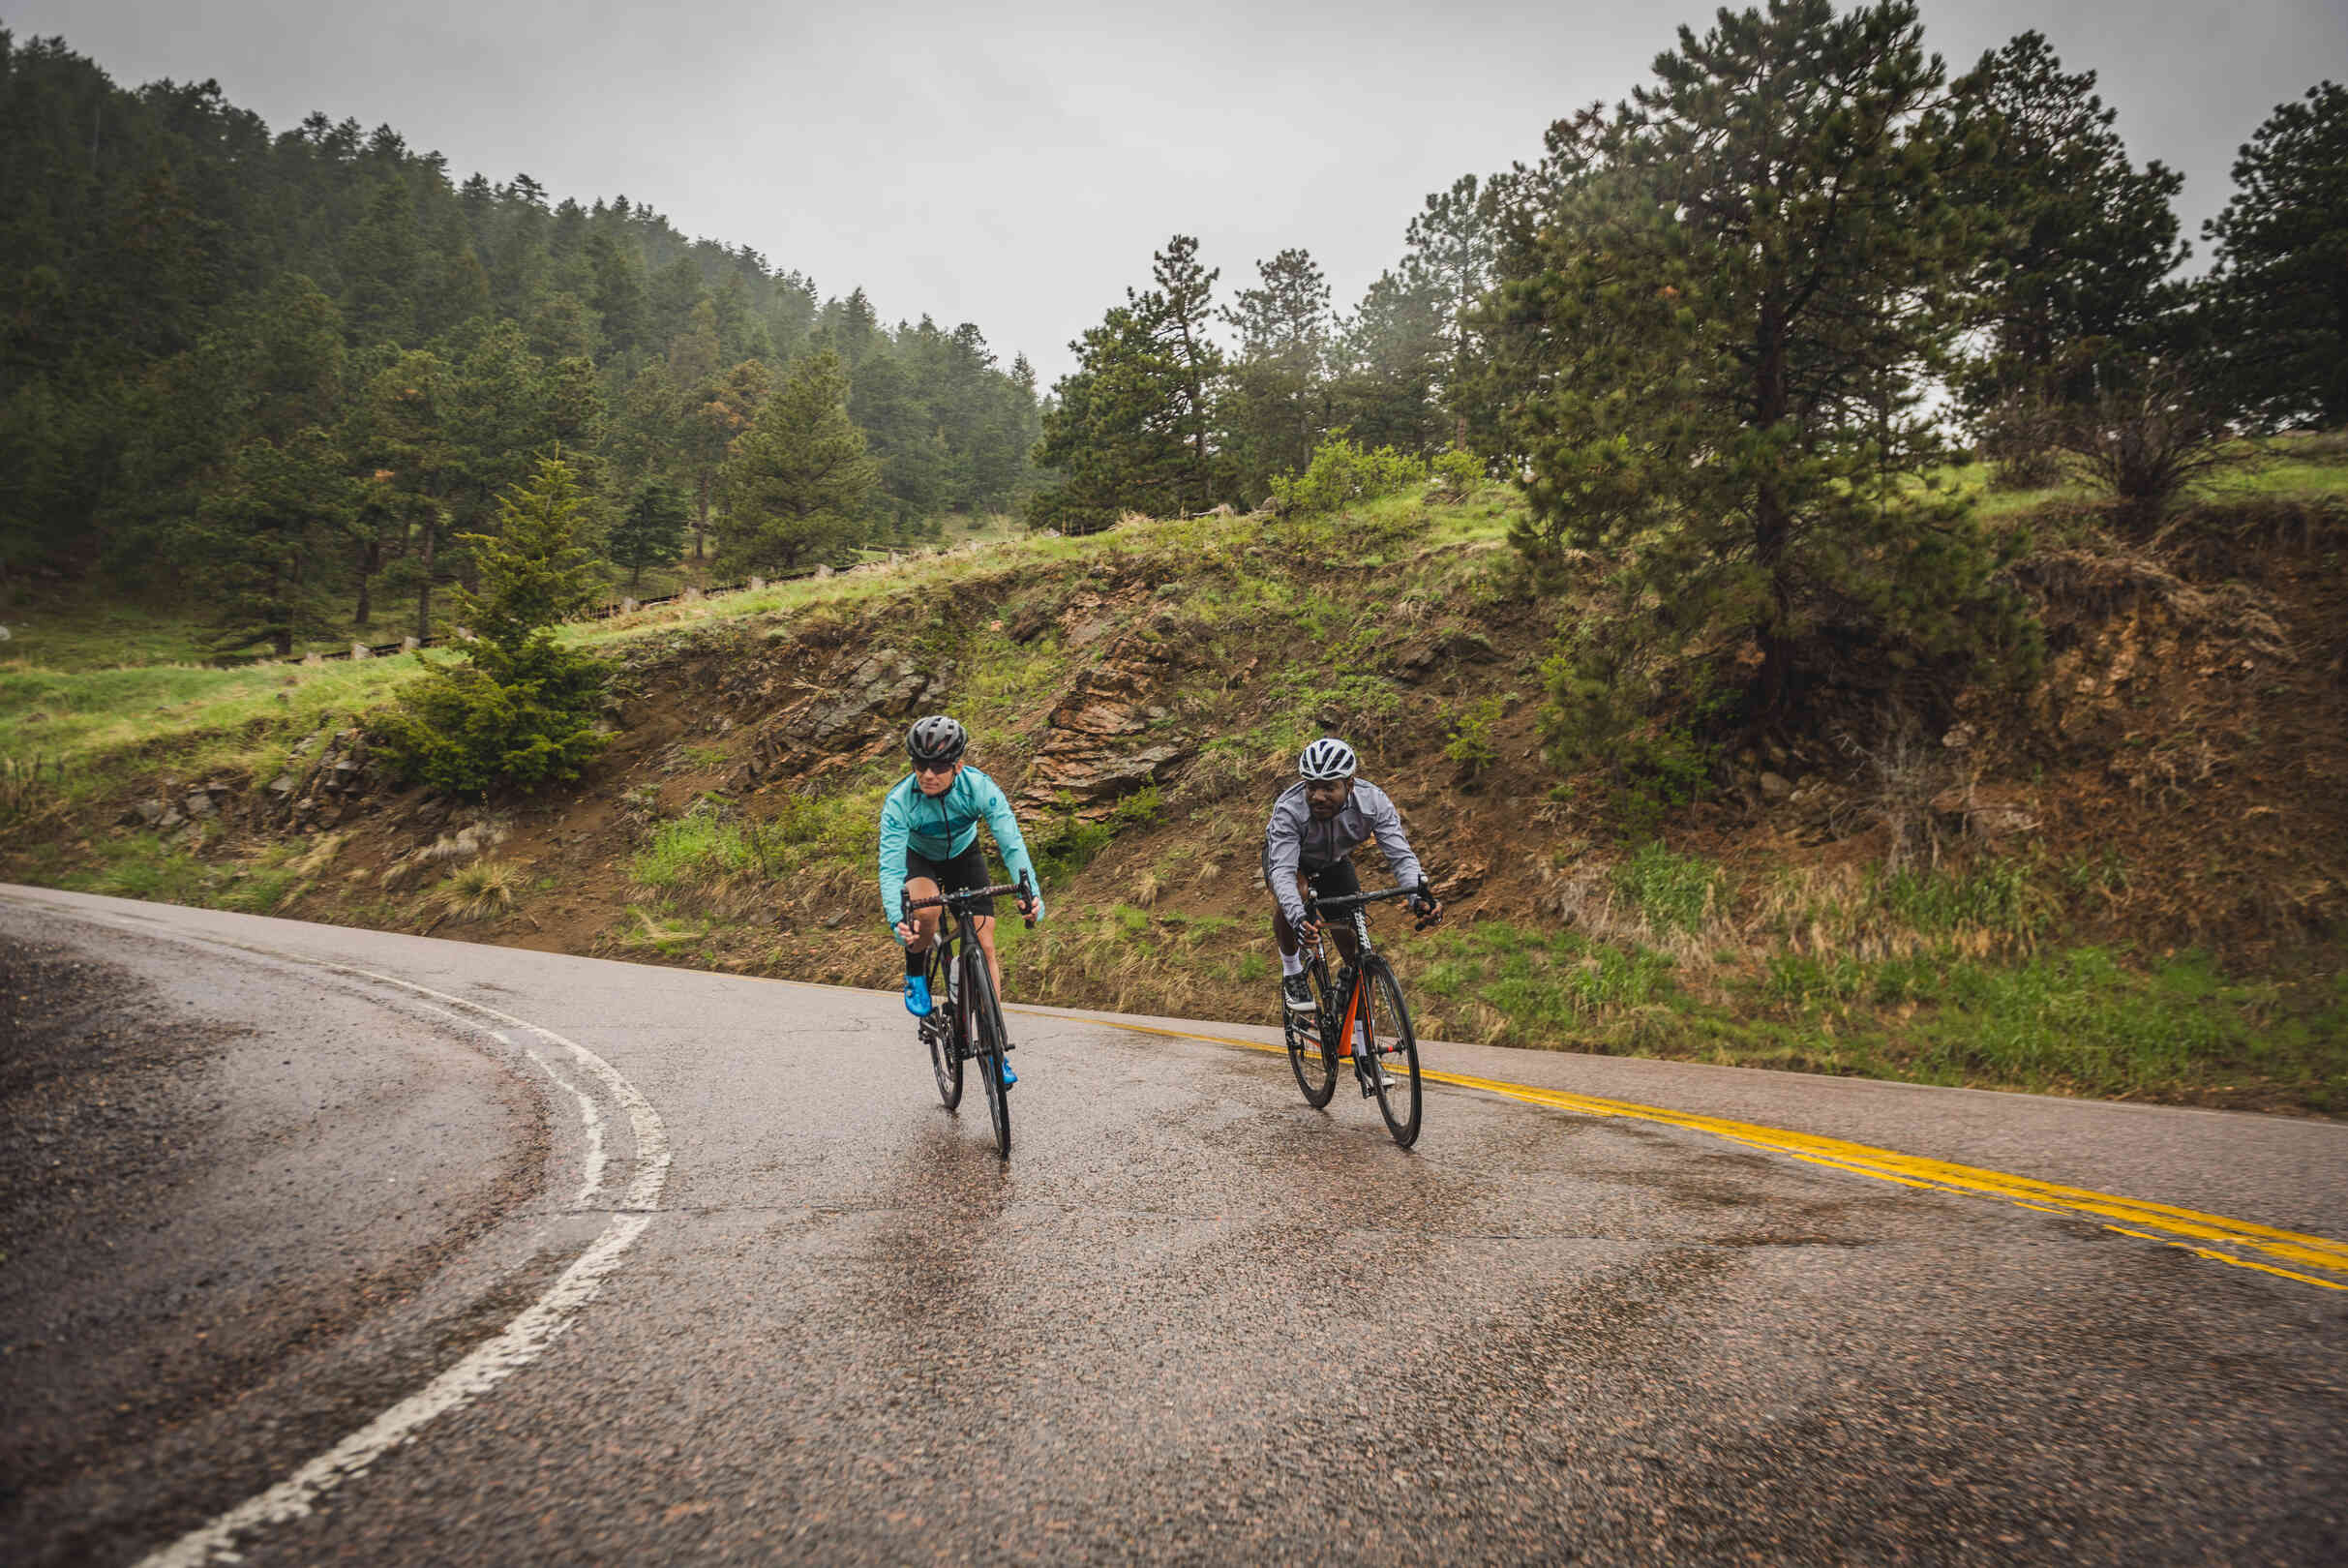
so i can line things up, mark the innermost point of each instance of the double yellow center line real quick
(2312, 1261)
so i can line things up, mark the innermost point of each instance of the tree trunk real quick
(701, 516)
(1772, 526)
(370, 561)
(281, 614)
(424, 587)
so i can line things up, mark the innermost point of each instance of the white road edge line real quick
(588, 1112)
(487, 1364)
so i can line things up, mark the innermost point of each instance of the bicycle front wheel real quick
(937, 1029)
(986, 1049)
(1310, 1053)
(1394, 1046)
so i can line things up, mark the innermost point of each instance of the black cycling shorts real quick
(964, 871)
(1334, 880)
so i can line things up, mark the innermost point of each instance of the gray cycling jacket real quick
(1294, 840)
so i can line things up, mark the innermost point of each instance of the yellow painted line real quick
(2158, 1222)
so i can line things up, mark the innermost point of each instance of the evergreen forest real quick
(279, 376)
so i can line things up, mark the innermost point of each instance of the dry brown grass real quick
(2104, 577)
(478, 892)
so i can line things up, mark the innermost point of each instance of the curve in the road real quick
(2201, 1234)
(522, 1341)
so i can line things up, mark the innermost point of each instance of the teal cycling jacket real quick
(941, 827)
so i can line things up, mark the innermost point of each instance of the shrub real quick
(1341, 473)
(1471, 735)
(1458, 474)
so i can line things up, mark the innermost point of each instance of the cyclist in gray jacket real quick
(1316, 825)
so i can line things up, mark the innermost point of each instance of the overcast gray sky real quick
(1015, 164)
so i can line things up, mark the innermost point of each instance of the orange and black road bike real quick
(1360, 1016)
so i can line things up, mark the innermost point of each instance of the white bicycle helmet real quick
(1326, 758)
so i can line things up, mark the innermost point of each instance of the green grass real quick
(686, 851)
(143, 865)
(2084, 1022)
(1672, 892)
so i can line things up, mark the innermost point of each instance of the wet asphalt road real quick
(1190, 1320)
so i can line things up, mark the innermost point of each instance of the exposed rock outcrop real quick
(1107, 735)
(849, 713)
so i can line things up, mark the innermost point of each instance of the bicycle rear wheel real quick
(938, 1031)
(986, 1049)
(1310, 1053)
(1395, 1045)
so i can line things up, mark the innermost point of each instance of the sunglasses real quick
(933, 768)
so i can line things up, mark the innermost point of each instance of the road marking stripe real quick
(590, 1113)
(489, 1363)
(1915, 1171)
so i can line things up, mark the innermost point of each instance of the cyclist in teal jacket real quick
(929, 844)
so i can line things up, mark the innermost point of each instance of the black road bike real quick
(1361, 1007)
(965, 1022)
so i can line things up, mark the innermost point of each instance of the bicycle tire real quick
(944, 1061)
(986, 1049)
(1397, 1047)
(1309, 1039)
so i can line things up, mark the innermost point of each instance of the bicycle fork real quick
(1360, 1050)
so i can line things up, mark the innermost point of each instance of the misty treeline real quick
(281, 376)
(1730, 334)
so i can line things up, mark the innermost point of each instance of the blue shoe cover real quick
(1008, 1076)
(916, 995)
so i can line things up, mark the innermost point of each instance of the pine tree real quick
(515, 706)
(1180, 312)
(402, 434)
(1725, 302)
(382, 263)
(2279, 294)
(652, 532)
(1451, 263)
(715, 416)
(262, 546)
(1277, 406)
(617, 292)
(799, 482)
(2080, 246)
(903, 438)
(1391, 363)
(1110, 432)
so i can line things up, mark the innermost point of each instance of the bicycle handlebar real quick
(1316, 904)
(957, 901)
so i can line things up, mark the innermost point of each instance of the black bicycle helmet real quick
(1326, 758)
(936, 739)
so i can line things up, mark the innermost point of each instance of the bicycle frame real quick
(1352, 972)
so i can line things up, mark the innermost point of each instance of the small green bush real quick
(1458, 474)
(1471, 735)
(1341, 473)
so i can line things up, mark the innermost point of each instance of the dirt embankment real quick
(2179, 780)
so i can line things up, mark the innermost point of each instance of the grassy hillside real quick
(2134, 884)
